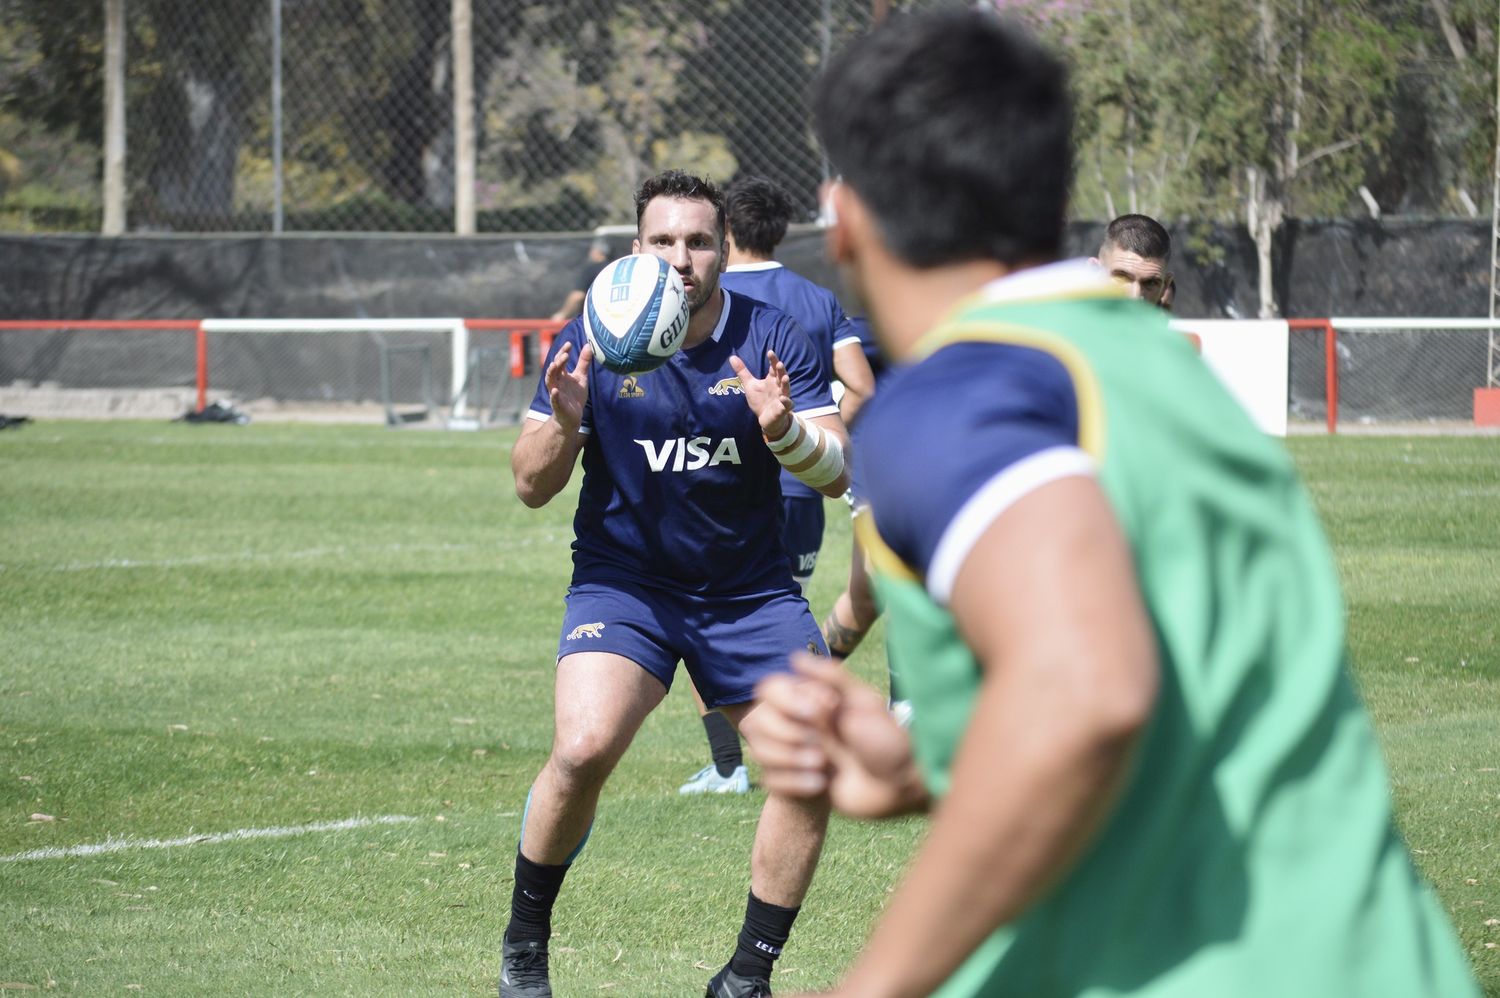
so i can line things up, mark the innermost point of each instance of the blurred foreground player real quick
(677, 556)
(757, 213)
(1147, 768)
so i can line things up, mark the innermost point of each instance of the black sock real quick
(531, 900)
(723, 742)
(764, 933)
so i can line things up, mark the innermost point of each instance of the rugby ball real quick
(635, 314)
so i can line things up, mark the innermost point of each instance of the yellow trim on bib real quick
(885, 561)
(1091, 435)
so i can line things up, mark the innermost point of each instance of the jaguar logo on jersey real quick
(594, 630)
(727, 386)
(630, 388)
(689, 454)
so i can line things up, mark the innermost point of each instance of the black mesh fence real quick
(1415, 374)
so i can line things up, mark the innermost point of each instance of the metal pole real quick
(278, 212)
(113, 193)
(827, 48)
(1492, 366)
(463, 118)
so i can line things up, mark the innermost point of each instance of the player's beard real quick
(701, 293)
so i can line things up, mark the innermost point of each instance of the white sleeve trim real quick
(993, 498)
(821, 410)
(851, 340)
(540, 416)
(747, 268)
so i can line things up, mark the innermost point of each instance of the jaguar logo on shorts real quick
(812, 646)
(727, 386)
(594, 630)
(631, 389)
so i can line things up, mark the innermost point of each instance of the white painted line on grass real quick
(238, 835)
(251, 556)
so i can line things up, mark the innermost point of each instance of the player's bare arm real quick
(770, 398)
(852, 368)
(571, 305)
(545, 452)
(1048, 601)
(823, 731)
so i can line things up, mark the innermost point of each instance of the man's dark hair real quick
(1139, 234)
(676, 184)
(759, 212)
(955, 129)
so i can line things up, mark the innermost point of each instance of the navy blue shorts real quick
(802, 534)
(728, 643)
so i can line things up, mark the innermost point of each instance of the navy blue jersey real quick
(871, 347)
(937, 475)
(816, 310)
(881, 369)
(679, 489)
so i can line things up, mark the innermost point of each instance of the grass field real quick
(210, 629)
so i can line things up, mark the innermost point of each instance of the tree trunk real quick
(1132, 191)
(1450, 33)
(1264, 213)
(416, 113)
(193, 178)
(198, 109)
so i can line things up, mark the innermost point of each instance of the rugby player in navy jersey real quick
(677, 557)
(855, 611)
(757, 213)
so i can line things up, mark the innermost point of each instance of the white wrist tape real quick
(812, 456)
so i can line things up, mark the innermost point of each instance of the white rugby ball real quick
(635, 314)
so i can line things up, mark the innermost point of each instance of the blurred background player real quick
(1135, 252)
(855, 611)
(758, 212)
(597, 258)
(1152, 773)
(674, 561)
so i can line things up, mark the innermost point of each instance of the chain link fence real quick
(576, 102)
(1391, 371)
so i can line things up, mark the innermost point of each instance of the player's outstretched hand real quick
(568, 391)
(770, 398)
(820, 731)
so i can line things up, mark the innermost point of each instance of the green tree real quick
(590, 101)
(1222, 109)
(1442, 146)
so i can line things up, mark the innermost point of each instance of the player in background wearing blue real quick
(757, 213)
(854, 612)
(677, 557)
(1147, 767)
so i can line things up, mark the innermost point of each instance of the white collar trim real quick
(723, 316)
(742, 268)
(1048, 280)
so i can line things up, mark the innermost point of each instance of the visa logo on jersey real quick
(689, 454)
